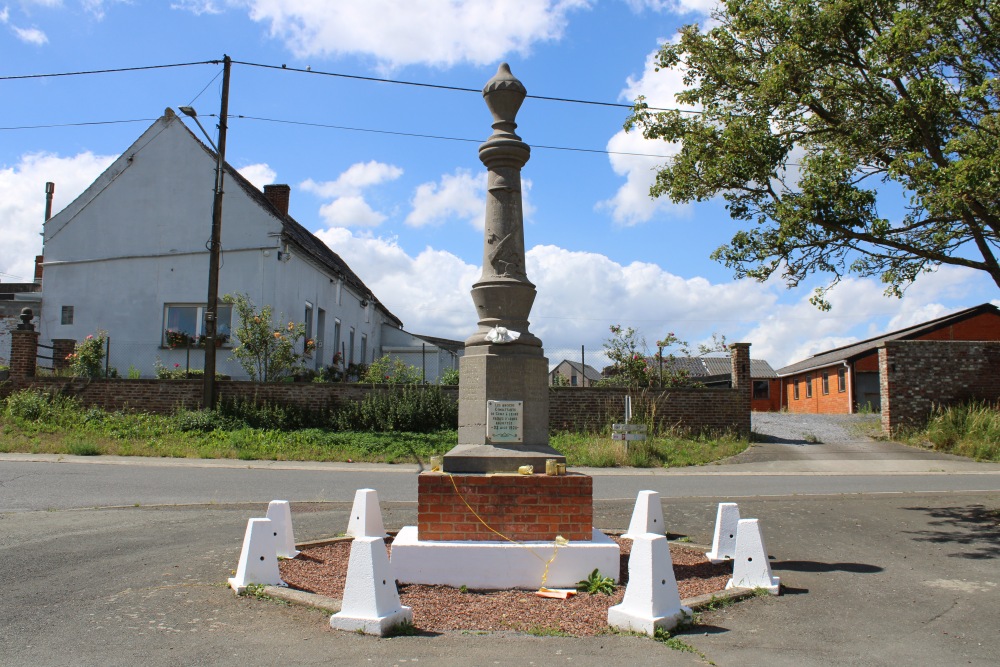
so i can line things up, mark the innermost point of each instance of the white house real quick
(431, 356)
(129, 256)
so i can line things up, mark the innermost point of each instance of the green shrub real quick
(31, 405)
(269, 416)
(87, 360)
(450, 377)
(416, 409)
(971, 430)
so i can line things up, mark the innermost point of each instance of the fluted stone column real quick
(514, 372)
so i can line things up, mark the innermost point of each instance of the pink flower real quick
(177, 365)
(91, 337)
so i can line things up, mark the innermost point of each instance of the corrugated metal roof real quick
(701, 367)
(861, 348)
(587, 371)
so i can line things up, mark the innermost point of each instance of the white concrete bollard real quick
(258, 562)
(280, 514)
(651, 598)
(727, 521)
(647, 517)
(366, 515)
(371, 602)
(751, 568)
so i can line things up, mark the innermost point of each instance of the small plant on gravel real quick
(596, 583)
(404, 629)
(810, 438)
(463, 589)
(545, 631)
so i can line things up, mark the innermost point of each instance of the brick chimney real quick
(278, 196)
(38, 269)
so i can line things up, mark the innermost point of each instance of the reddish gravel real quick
(440, 608)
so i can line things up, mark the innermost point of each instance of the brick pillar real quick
(740, 355)
(62, 348)
(23, 350)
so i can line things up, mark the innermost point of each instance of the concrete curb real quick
(312, 600)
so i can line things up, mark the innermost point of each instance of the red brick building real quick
(846, 379)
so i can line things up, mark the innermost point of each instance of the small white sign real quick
(505, 421)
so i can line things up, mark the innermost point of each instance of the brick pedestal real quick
(521, 507)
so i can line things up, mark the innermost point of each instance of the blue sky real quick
(406, 212)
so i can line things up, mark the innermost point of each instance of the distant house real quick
(574, 374)
(129, 256)
(717, 372)
(846, 379)
(431, 356)
(13, 298)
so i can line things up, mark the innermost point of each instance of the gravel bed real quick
(799, 428)
(323, 570)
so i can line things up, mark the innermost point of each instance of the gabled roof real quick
(711, 367)
(455, 346)
(318, 251)
(586, 370)
(865, 347)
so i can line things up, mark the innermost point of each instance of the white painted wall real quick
(415, 351)
(135, 241)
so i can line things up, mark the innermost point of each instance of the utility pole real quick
(215, 248)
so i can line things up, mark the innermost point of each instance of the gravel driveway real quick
(792, 428)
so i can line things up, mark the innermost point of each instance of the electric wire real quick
(106, 71)
(202, 91)
(80, 124)
(438, 86)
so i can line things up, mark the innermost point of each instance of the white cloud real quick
(351, 211)
(349, 207)
(96, 7)
(31, 35)
(631, 204)
(259, 174)
(401, 32)
(429, 291)
(458, 195)
(674, 6)
(197, 7)
(22, 203)
(357, 177)
(859, 311)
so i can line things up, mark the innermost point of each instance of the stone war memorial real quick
(498, 513)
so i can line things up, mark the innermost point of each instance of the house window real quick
(184, 324)
(809, 385)
(572, 380)
(364, 347)
(309, 328)
(826, 382)
(795, 390)
(841, 379)
(336, 339)
(350, 346)
(761, 389)
(67, 315)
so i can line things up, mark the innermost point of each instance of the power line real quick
(106, 71)
(434, 136)
(93, 122)
(308, 70)
(437, 86)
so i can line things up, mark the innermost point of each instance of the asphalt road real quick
(885, 560)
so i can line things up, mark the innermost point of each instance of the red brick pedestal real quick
(520, 507)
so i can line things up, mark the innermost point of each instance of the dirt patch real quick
(323, 570)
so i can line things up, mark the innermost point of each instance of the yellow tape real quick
(555, 549)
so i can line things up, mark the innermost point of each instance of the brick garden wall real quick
(570, 408)
(918, 375)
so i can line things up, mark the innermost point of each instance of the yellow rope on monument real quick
(559, 541)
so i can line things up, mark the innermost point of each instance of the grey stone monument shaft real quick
(515, 371)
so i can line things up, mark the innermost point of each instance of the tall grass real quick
(971, 430)
(389, 427)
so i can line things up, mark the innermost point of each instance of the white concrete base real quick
(280, 514)
(258, 562)
(371, 602)
(499, 564)
(366, 515)
(651, 598)
(647, 517)
(751, 567)
(727, 521)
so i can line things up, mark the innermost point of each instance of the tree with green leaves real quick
(266, 352)
(814, 114)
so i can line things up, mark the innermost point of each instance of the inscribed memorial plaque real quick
(505, 421)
